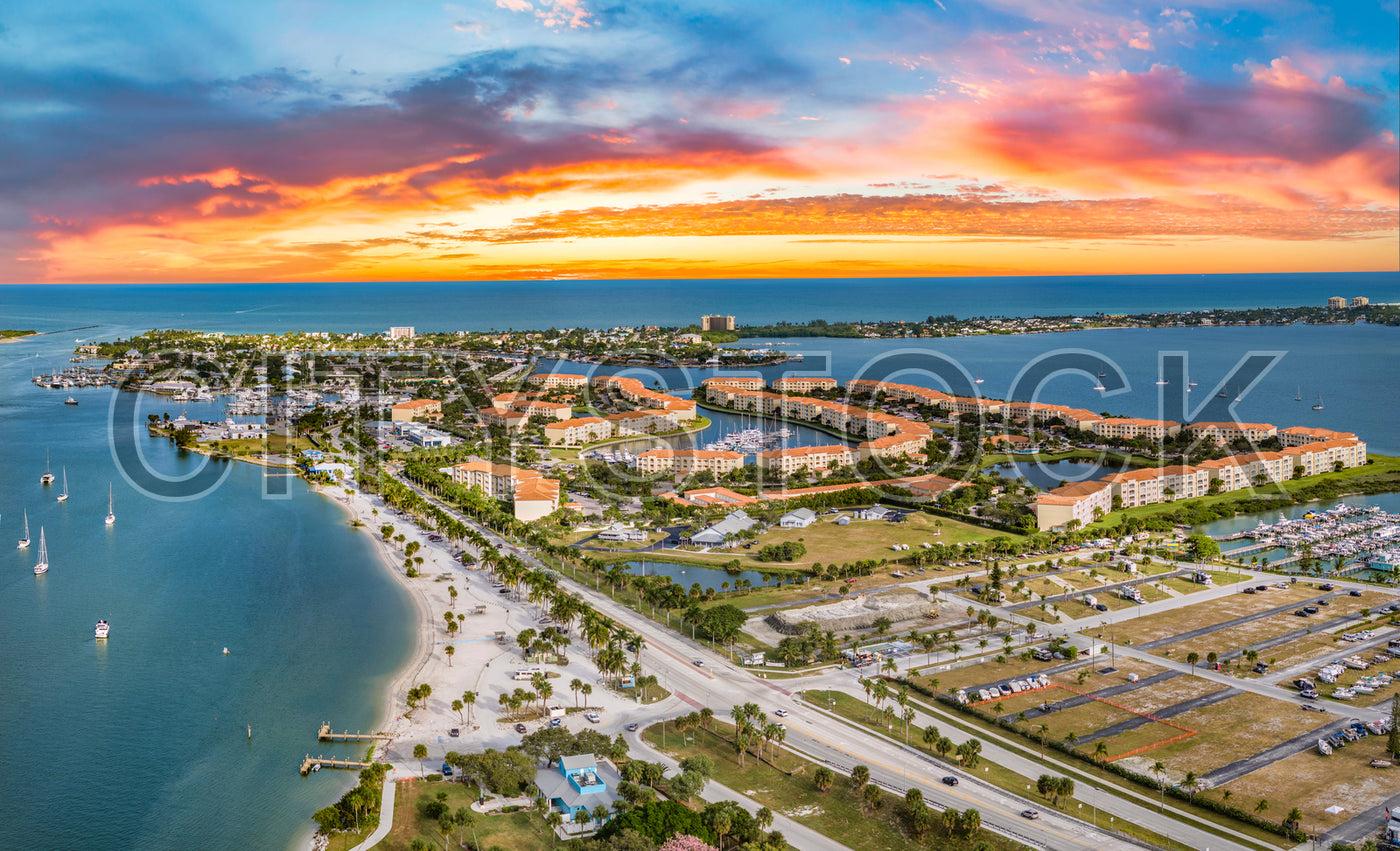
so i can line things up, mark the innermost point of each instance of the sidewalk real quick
(386, 813)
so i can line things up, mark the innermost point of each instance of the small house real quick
(577, 785)
(874, 512)
(799, 518)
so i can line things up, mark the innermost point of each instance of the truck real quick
(1090, 600)
(1130, 592)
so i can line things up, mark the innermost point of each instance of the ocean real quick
(142, 744)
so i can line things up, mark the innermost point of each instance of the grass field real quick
(788, 789)
(1185, 619)
(829, 543)
(276, 444)
(1235, 728)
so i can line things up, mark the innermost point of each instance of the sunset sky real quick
(271, 141)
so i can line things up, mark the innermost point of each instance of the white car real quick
(699, 663)
(593, 717)
(781, 713)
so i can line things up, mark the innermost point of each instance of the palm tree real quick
(469, 698)
(1159, 769)
(860, 775)
(457, 707)
(420, 752)
(1100, 751)
(1262, 806)
(449, 650)
(574, 685)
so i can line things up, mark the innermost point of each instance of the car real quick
(631, 728)
(781, 713)
(519, 728)
(454, 732)
(1326, 586)
(546, 620)
(593, 717)
(435, 538)
(1353, 593)
(950, 781)
(503, 591)
(1030, 814)
(699, 663)
(1301, 613)
(849, 581)
(1312, 610)
(1261, 587)
(554, 722)
(1328, 603)
(1248, 591)
(1103, 607)
(1280, 584)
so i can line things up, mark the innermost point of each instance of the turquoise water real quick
(450, 306)
(142, 743)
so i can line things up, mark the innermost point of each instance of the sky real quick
(267, 140)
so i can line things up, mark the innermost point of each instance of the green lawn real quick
(789, 789)
(519, 831)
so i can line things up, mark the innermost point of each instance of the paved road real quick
(1233, 622)
(1295, 745)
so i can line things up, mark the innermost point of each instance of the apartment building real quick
(1300, 435)
(1075, 501)
(578, 431)
(803, 384)
(1128, 428)
(816, 459)
(1227, 432)
(416, 409)
(505, 417)
(532, 495)
(558, 379)
(683, 462)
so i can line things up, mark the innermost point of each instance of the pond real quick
(708, 577)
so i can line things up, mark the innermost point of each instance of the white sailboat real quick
(47, 478)
(24, 542)
(63, 497)
(42, 566)
(1318, 406)
(978, 379)
(1298, 397)
(111, 518)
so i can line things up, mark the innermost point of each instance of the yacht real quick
(1318, 406)
(1162, 381)
(70, 401)
(63, 497)
(1099, 387)
(42, 566)
(24, 542)
(47, 478)
(101, 630)
(978, 379)
(111, 517)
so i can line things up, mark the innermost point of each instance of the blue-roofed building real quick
(578, 784)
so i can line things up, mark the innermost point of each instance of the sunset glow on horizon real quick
(526, 139)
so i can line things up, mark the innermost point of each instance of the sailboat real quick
(1162, 381)
(1318, 406)
(63, 497)
(1298, 397)
(978, 379)
(47, 478)
(1099, 387)
(111, 518)
(24, 542)
(1222, 394)
(42, 566)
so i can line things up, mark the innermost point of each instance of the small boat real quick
(63, 497)
(1324, 748)
(978, 379)
(70, 401)
(102, 629)
(1099, 387)
(1162, 381)
(225, 651)
(1298, 397)
(111, 518)
(1192, 383)
(47, 478)
(42, 566)
(1380, 763)
(1103, 375)
(1222, 394)
(24, 542)
(1318, 406)
(316, 767)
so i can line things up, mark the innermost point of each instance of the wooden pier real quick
(312, 763)
(326, 734)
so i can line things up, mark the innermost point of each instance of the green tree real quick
(860, 775)
(420, 753)
(823, 778)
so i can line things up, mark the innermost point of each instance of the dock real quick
(312, 763)
(326, 734)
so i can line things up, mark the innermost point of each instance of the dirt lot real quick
(1207, 613)
(1236, 728)
(1343, 779)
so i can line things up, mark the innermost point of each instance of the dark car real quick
(950, 781)
(1324, 602)
(1101, 607)
(454, 732)
(1302, 613)
(1312, 610)
(631, 728)
(519, 728)
(1353, 593)
(1261, 587)
(1248, 591)
(504, 591)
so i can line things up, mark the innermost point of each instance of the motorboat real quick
(70, 401)
(102, 629)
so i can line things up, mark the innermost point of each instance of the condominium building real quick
(401, 332)
(892, 446)
(1075, 501)
(504, 417)
(542, 410)
(1360, 301)
(1324, 457)
(532, 495)
(416, 409)
(815, 459)
(1299, 435)
(1227, 432)
(1336, 301)
(1127, 428)
(558, 379)
(578, 431)
(716, 323)
(803, 384)
(651, 421)
(743, 382)
(683, 462)
(1158, 484)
